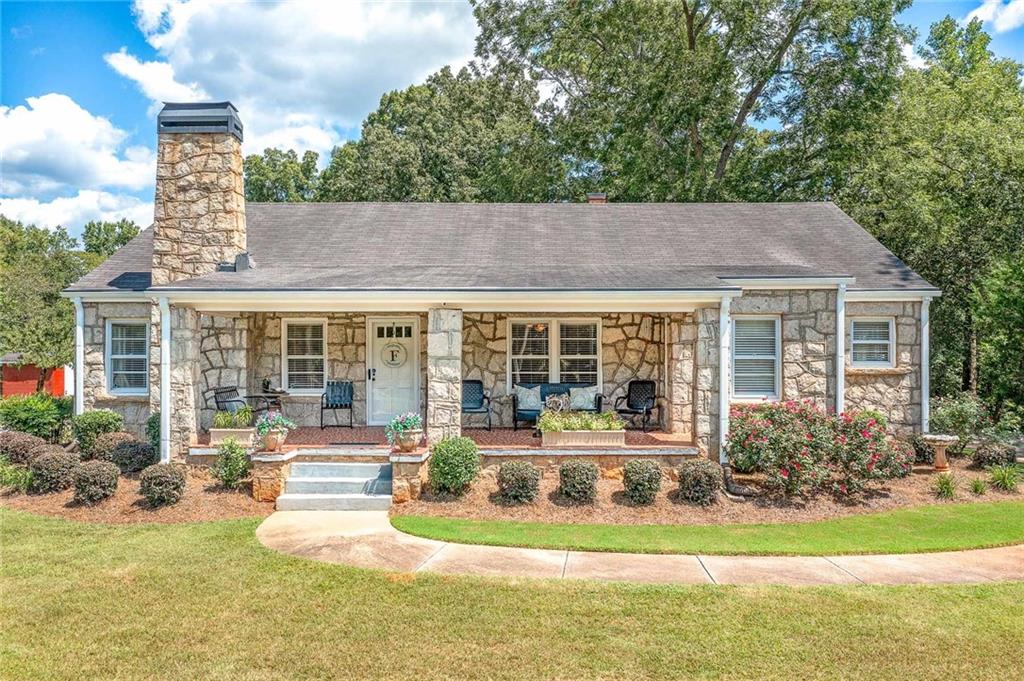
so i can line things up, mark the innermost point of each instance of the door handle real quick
(372, 374)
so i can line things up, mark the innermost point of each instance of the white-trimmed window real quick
(755, 357)
(554, 351)
(304, 355)
(872, 342)
(127, 357)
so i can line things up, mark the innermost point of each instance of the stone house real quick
(716, 303)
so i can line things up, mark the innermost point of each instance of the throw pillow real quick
(582, 398)
(528, 398)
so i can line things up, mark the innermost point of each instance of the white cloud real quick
(914, 60)
(299, 72)
(154, 78)
(1001, 15)
(53, 144)
(74, 211)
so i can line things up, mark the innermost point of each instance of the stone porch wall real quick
(895, 392)
(223, 360)
(133, 408)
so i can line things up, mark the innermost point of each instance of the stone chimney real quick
(199, 219)
(597, 197)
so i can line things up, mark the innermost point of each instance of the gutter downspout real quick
(165, 381)
(925, 366)
(79, 355)
(841, 349)
(724, 364)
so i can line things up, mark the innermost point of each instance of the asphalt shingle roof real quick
(616, 246)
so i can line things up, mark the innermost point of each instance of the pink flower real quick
(784, 473)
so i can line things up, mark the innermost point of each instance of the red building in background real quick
(23, 379)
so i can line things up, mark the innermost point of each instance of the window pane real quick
(305, 339)
(871, 352)
(755, 337)
(578, 339)
(871, 331)
(530, 339)
(754, 377)
(529, 370)
(578, 371)
(128, 339)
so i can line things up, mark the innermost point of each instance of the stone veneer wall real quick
(895, 392)
(444, 374)
(681, 334)
(133, 408)
(631, 348)
(706, 384)
(223, 361)
(199, 218)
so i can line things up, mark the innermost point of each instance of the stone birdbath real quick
(939, 443)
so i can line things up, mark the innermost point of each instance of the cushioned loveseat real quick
(525, 414)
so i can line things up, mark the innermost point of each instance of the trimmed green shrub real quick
(1005, 477)
(699, 481)
(38, 414)
(36, 452)
(945, 486)
(14, 477)
(16, 447)
(641, 479)
(978, 486)
(993, 453)
(134, 455)
(232, 464)
(558, 421)
(92, 424)
(153, 430)
(518, 481)
(454, 464)
(95, 481)
(54, 471)
(963, 415)
(577, 480)
(162, 484)
(103, 448)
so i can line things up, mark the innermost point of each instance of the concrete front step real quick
(318, 469)
(333, 502)
(332, 485)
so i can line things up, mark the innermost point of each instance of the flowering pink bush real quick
(800, 448)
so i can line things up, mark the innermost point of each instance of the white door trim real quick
(369, 355)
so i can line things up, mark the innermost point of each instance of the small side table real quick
(272, 398)
(939, 443)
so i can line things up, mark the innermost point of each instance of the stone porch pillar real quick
(179, 367)
(681, 338)
(444, 374)
(707, 402)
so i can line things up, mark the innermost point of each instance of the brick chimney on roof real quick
(199, 218)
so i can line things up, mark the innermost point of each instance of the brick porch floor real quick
(499, 437)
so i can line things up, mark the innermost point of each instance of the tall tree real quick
(35, 265)
(942, 183)
(103, 238)
(654, 101)
(278, 175)
(457, 137)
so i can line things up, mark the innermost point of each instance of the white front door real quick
(392, 369)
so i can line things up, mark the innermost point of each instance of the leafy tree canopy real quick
(281, 176)
(103, 238)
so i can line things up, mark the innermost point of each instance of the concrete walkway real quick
(367, 539)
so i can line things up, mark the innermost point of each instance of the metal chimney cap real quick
(212, 117)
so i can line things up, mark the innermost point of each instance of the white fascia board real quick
(748, 283)
(472, 301)
(109, 296)
(890, 295)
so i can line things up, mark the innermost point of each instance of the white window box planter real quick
(584, 438)
(243, 435)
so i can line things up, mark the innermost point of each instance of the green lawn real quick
(927, 528)
(207, 601)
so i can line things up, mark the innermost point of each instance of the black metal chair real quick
(227, 398)
(475, 400)
(338, 395)
(640, 400)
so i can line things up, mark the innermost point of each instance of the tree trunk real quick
(969, 381)
(41, 381)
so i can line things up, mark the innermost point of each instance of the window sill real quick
(877, 371)
(124, 397)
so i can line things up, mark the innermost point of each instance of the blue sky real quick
(80, 82)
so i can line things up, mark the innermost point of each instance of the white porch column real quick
(444, 373)
(841, 349)
(165, 381)
(724, 369)
(925, 365)
(79, 356)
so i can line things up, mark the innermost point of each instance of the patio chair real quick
(227, 398)
(337, 396)
(640, 400)
(475, 400)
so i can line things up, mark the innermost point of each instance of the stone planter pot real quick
(273, 440)
(584, 438)
(408, 440)
(243, 435)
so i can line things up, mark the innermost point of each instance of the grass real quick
(207, 601)
(925, 528)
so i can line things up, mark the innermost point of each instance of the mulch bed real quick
(203, 500)
(481, 502)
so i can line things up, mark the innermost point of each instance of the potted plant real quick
(405, 431)
(273, 427)
(581, 429)
(237, 425)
